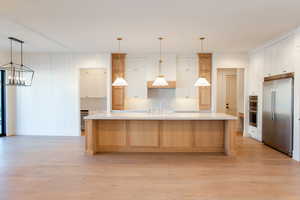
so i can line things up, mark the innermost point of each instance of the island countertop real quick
(162, 116)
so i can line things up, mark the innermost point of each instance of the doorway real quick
(2, 104)
(93, 92)
(230, 93)
(227, 91)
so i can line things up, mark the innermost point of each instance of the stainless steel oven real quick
(83, 113)
(253, 110)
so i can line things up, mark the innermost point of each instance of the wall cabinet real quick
(205, 71)
(135, 74)
(186, 75)
(93, 83)
(279, 57)
(118, 70)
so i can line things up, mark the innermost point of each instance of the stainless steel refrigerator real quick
(277, 123)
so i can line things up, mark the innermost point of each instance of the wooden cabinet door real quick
(111, 133)
(176, 134)
(143, 133)
(118, 69)
(205, 71)
(209, 134)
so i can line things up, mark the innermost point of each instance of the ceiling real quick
(93, 25)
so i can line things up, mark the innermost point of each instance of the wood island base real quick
(160, 136)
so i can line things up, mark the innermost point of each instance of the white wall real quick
(51, 105)
(241, 90)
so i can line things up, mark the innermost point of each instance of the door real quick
(230, 95)
(227, 90)
(2, 104)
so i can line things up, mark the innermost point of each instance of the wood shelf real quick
(171, 84)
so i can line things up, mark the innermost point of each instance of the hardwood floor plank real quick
(56, 168)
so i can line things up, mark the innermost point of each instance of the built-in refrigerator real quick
(277, 126)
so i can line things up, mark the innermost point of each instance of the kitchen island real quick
(147, 132)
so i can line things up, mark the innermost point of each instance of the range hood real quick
(171, 85)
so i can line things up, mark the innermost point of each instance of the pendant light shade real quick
(201, 82)
(119, 81)
(17, 74)
(160, 79)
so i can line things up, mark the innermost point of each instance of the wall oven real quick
(83, 113)
(253, 110)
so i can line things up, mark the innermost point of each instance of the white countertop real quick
(167, 116)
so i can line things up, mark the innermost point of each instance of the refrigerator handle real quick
(273, 102)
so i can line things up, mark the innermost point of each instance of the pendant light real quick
(17, 74)
(119, 81)
(160, 79)
(201, 81)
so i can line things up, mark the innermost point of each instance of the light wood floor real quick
(55, 168)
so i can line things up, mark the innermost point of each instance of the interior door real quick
(231, 94)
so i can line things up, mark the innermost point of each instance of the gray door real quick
(278, 115)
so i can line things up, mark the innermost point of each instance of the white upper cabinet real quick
(256, 67)
(286, 62)
(279, 57)
(93, 83)
(186, 76)
(135, 75)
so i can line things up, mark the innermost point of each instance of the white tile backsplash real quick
(93, 104)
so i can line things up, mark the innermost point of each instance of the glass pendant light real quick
(119, 81)
(160, 79)
(201, 81)
(17, 74)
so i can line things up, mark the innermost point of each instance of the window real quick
(2, 105)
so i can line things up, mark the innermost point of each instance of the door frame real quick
(3, 104)
(221, 94)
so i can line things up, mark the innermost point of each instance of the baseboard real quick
(48, 133)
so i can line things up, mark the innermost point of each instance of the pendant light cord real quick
(119, 56)
(21, 54)
(10, 51)
(201, 44)
(160, 57)
(21, 73)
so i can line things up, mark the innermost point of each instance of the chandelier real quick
(17, 74)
